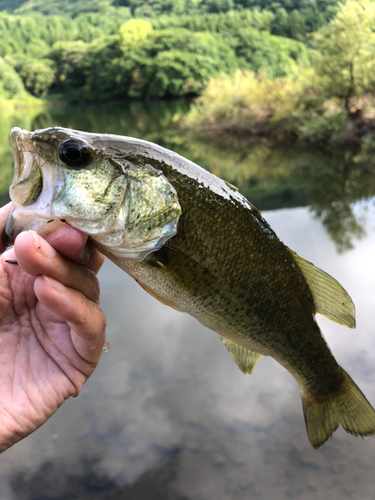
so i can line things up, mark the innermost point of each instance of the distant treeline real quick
(96, 57)
(120, 49)
(155, 8)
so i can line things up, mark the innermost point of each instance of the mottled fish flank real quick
(196, 244)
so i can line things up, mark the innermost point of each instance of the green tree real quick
(346, 46)
(69, 63)
(37, 76)
(132, 33)
(259, 49)
(108, 71)
(178, 62)
(10, 83)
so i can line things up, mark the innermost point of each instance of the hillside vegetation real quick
(282, 69)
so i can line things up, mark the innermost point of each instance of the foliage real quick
(96, 56)
(151, 8)
(289, 18)
(37, 76)
(10, 83)
(345, 58)
(259, 49)
(165, 63)
(34, 35)
(227, 24)
(92, 56)
(108, 72)
(133, 33)
(249, 103)
(178, 62)
(103, 57)
(69, 63)
(72, 7)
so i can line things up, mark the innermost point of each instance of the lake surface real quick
(167, 415)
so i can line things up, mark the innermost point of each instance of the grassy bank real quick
(290, 108)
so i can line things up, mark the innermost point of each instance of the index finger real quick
(74, 245)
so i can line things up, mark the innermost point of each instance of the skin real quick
(52, 330)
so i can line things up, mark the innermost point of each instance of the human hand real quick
(52, 330)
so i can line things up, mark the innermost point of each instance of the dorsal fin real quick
(330, 298)
(244, 358)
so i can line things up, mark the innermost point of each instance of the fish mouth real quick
(22, 158)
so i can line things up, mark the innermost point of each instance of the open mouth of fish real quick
(31, 205)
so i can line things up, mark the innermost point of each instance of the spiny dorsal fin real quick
(330, 298)
(244, 358)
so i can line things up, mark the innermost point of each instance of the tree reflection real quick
(334, 181)
(330, 180)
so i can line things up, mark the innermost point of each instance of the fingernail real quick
(56, 285)
(41, 245)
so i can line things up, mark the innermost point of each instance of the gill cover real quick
(93, 185)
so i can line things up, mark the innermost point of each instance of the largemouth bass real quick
(196, 244)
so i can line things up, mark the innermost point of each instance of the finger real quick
(3, 218)
(85, 318)
(75, 245)
(36, 256)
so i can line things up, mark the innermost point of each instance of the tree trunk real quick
(351, 89)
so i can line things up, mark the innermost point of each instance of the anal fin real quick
(330, 298)
(244, 358)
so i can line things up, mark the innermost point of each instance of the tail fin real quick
(349, 408)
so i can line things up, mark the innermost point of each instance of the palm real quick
(50, 340)
(35, 356)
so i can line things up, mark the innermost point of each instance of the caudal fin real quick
(349, 408)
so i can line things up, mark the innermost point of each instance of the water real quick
(167, 414)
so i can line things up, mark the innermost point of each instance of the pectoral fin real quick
(156, 296)
(181, 269)
(330, 298)
(244, 358)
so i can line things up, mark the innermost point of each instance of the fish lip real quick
(8, 236)
(19, 151)
(17, 154)
(23, 153)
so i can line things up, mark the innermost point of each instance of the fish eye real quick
(74, 153)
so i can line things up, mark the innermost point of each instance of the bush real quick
(256, 104)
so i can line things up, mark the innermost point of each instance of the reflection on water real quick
(271, 177)
(168, 415)
(88, 483)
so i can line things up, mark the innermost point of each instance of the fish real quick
(193, 242)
